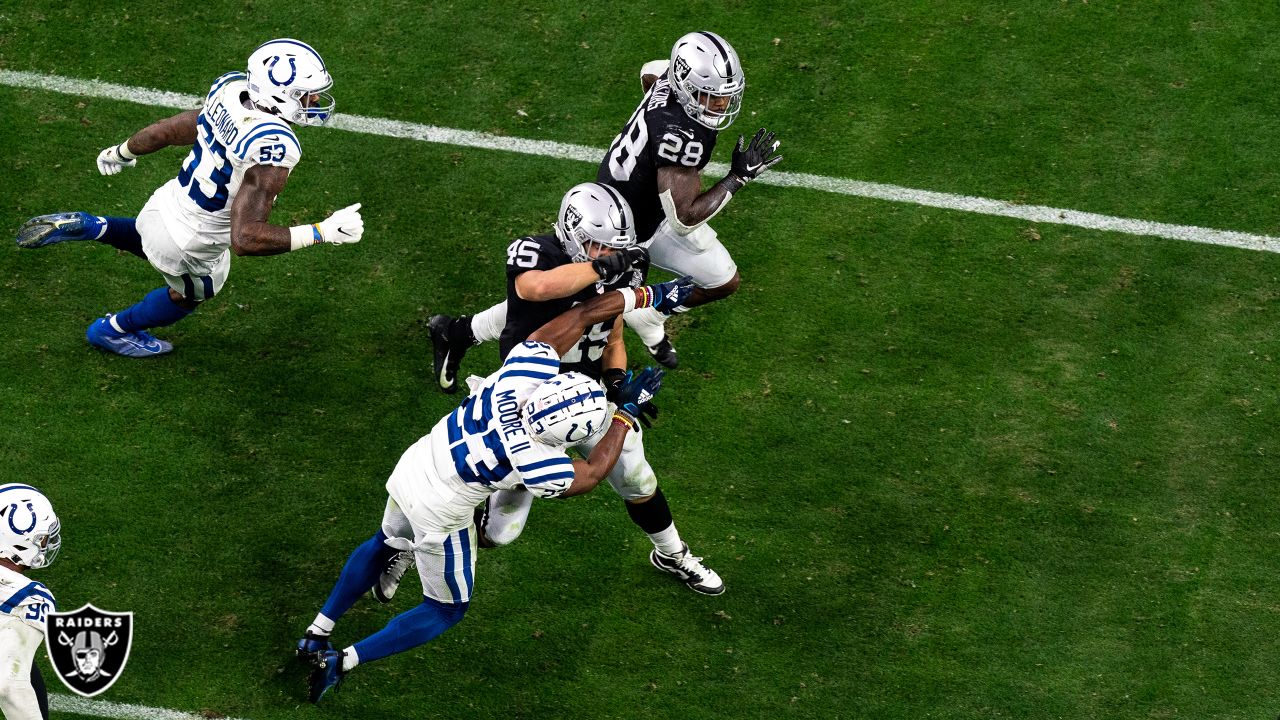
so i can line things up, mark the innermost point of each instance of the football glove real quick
(668, 297)
(635, 396)
(110, 161)
(344, 226)
(752, 161)
(613, 265)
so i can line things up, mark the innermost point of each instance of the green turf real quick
(949, 466)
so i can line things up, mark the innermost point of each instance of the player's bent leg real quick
(399, 532)
(502, 517)
(633, 478)
(360, 572)
(406, 631)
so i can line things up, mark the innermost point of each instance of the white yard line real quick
(546, 148)
(59, 703)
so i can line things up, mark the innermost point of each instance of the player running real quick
(243, 148)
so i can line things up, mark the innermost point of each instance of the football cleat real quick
(665, 353)
(389, 580)
(130, 344)
(326, 676)
(448, 348)
(56, 228)
(689, 568)
(311, 647)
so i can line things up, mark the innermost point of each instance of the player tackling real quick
(511, 431)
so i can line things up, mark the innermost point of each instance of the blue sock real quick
(358, 575)
(410, 629)
(157, 309)
(122, 234)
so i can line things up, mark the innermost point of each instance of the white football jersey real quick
(481, 447)
(24, 599)
(230, 138)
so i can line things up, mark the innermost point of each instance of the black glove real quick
(635, 396)
(613, 379)
(613, 265)
(750, 162)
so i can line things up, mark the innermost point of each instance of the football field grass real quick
(949, 465)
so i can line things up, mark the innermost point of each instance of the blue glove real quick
(669, 296)
(635, 396)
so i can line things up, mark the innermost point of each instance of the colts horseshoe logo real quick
(13, 510)
(271, 67)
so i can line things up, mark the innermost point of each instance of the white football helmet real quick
(565, 410)
(29, 529)
(594, 213)
(707, 77)
(289, 78)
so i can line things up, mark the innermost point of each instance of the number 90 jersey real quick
(659, 134)
(23, 599)
(230, 138)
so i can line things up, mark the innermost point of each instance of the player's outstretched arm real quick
(680, 188)
(252, 234)
(177, 130)
(565, 280)
(565, 330)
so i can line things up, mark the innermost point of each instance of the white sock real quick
(349, 659)
(321, 625)
(649, 324)
(667, 541)
(487, 325)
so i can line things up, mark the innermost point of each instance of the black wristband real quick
(733, 183)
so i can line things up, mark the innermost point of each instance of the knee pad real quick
(637, 484)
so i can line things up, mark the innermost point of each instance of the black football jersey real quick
(544, 252)
(659, 133)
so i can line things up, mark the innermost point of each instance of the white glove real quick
(344, 226)
(110, 161)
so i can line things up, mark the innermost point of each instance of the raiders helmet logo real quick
(681, 69)
(572, 217)
(89, 647)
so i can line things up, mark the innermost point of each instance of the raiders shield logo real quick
(89, 647)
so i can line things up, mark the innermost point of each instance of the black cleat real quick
(665, 354)
(449, 345)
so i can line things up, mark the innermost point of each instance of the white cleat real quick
(689, 568)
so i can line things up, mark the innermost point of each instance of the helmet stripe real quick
(16, 486)
(728, 59)
(580, 397)
(617, 199)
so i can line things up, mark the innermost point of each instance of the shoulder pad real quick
(271, 142)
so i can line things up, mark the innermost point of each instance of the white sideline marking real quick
(120, 711)
(546, 148)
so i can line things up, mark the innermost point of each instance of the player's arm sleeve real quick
(546, 477)
(19, 642)
(269, 143)
(527, 366)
